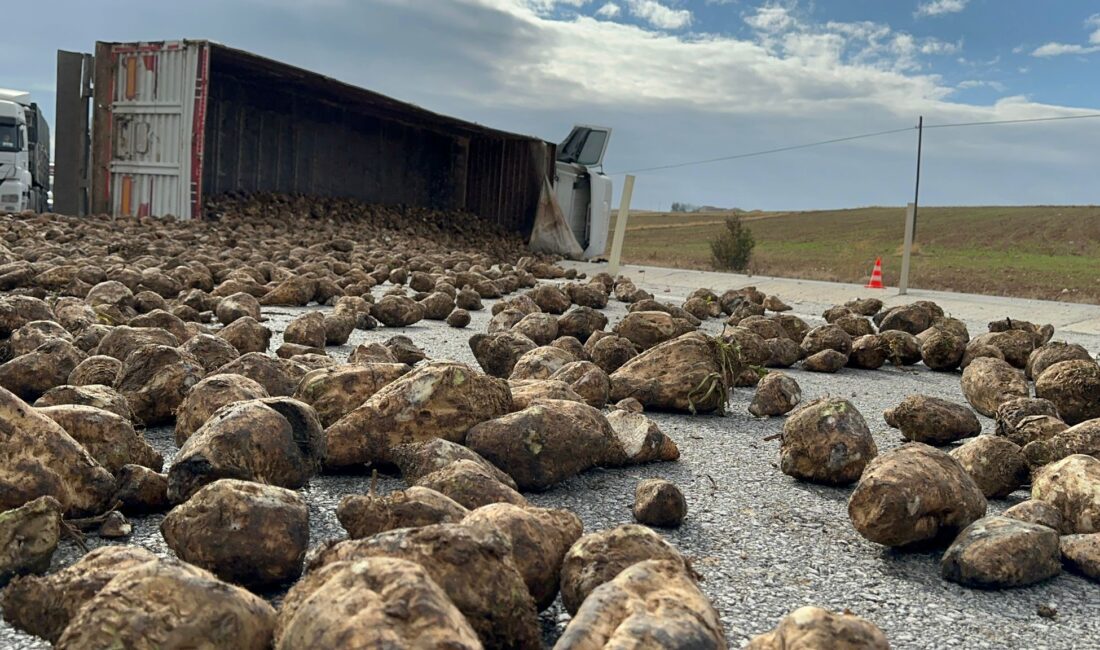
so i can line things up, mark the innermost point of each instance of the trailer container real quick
(177, 121)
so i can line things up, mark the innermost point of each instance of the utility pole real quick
(916, 192)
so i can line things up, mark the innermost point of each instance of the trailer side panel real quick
(282, 138)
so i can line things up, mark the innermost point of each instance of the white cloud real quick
(976, 83)
(936, 46)
(659, 15)
(1094, 21)
(841, 68)
(547, 6)
(940, 7)
(771, 19)
(1058, 49)
(780, 31)
(609, 10)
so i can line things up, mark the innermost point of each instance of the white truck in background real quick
(582, 190)
(24, 154)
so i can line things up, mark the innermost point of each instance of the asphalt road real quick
(764, 543)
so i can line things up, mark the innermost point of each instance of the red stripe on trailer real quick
(198, 129)
(110, 128)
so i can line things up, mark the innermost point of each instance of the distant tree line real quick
(685, 208)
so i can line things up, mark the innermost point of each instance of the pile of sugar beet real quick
(109, 326)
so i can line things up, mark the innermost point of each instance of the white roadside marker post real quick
(620, 226)
(910, 224)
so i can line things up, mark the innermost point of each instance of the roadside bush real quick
(732, 249)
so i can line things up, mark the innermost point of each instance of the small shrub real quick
(732, 249)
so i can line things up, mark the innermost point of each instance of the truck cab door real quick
(582, 189)
(586, 145)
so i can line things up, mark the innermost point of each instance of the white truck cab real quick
(24, 154)
(582, 189)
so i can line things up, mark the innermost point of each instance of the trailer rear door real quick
(158, 102)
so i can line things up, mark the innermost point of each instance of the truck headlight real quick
(11, 192)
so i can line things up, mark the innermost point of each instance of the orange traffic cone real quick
(876, 276)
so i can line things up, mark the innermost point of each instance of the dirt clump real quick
(658, 502)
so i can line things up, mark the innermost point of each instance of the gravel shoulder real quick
(764, 543)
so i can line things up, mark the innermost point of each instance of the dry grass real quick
(1049, 252)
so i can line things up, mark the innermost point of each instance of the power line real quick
(766, 151)
(1022, 121)
(861, 136)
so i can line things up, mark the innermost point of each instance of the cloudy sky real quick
(687, 80)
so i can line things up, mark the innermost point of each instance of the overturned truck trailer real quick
(176, 121)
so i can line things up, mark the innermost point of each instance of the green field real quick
(1048, 252)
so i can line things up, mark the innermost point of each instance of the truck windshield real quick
(9, 136)
(584, 146)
